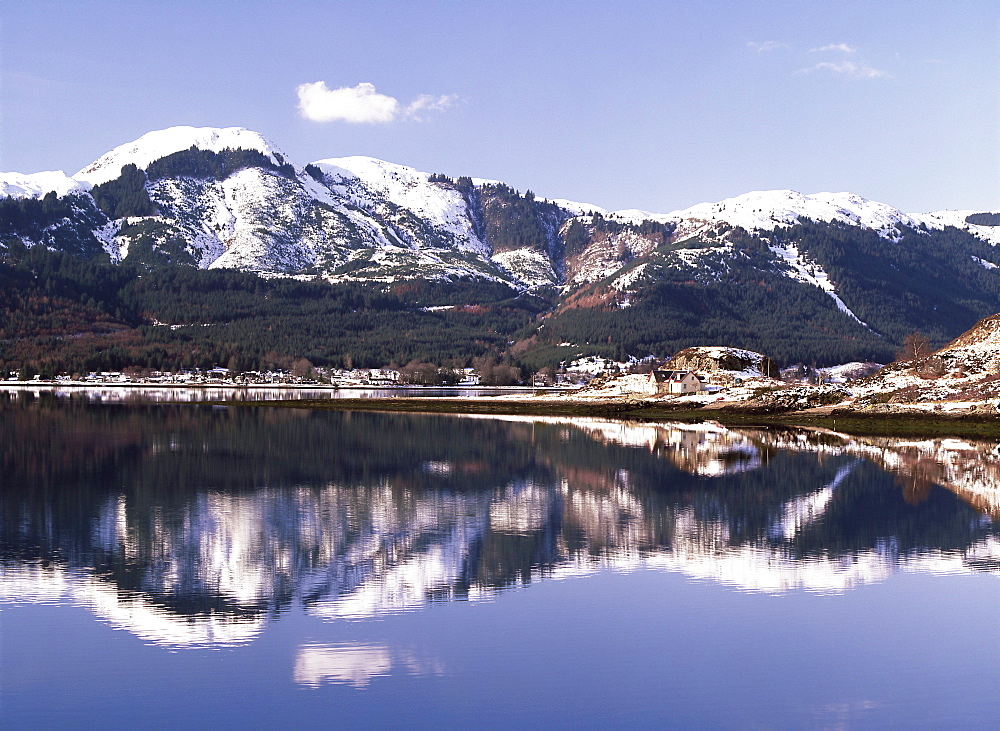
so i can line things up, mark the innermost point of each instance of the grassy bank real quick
(984, 426)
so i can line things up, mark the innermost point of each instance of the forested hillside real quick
(62, 314)
(742, 301)
(740, 294)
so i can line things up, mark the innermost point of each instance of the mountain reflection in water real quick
(194, 526)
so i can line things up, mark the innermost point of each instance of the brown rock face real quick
(722, 359)
(986, 330)
(975, 351)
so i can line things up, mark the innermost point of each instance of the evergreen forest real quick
(63, 314)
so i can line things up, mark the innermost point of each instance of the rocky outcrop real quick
(975, 351)
(965, 370)
(720, 361)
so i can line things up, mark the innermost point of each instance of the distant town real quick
(576, 374)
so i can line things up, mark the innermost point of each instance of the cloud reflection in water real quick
(356, 664)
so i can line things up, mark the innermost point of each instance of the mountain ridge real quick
(823, 276)
(754, 210)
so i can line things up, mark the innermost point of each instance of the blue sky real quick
(652, 105)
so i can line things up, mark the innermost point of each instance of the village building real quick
(674, 382)
(381, 377)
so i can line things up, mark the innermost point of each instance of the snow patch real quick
(630, 277)
(812, 273)
(529, 266)
(595, 365)
(940, 219)
(635, 215)
(576, 208)
(116, 248)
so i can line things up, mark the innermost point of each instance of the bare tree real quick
(420, 373)
(302, 368)
(915, 345)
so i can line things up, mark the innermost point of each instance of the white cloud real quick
(849, 69)
(838, 47)
(765, 46)
(429, 103)
(361, 104)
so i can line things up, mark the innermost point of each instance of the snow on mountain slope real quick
(37, 185)
(439, 205)
(940, 219)
(396, 264)
(606, 254)
(254, 220)
(155, 145)
(271, 223)
(626, 280)
(333, 223)
(635, 215)
(851, 208)
(766, 210)
(530, 267)
(262, 221)
(578, 209)
(812, 273)
(763, 211)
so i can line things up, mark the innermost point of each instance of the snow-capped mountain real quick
(228, 198)
(342, 218)
(362, 218)
(767, 210)
(156, 145)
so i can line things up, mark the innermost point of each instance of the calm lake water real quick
(165, 564)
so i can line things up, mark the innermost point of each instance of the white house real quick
(674, 382)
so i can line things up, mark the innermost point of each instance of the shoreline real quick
(899, 424)
(897, 421)
(20, 385)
